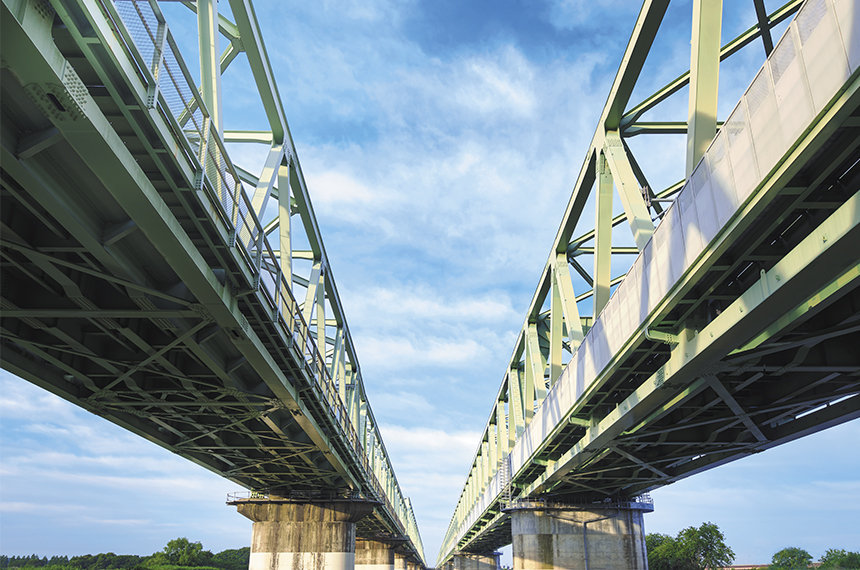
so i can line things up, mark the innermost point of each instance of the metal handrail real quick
(205, 148)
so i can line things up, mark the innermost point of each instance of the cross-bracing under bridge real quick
(724, 322)
(153, 282)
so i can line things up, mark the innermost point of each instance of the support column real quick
(400, 562)
(373, 555)
(302, 536)
(466, 561)
(594, 537)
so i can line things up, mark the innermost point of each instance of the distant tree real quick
(693, 549)
(840, 559)
(85, 561)
(706, 546)
(664, 553)
(232, 559)
(790, 558)
(183, 552)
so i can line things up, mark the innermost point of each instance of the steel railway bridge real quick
(724, 322)
(149, 280)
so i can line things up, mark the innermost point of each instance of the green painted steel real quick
(729, 333)
(205, 348)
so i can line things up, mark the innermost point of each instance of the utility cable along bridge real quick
(149, 280)
(733, 330)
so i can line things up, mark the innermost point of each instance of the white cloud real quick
(421, 302)
(38, 507)
(573, 14)
(396, 352)
(502, 82)
(341, 189)
(399, 404)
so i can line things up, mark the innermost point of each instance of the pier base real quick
(373, 555)
(489, 561)
(302, 536)
(574, 538)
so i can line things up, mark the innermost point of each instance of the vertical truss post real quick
(492, 432)
(337, 364)
(515, 404)
(556, 328)
(502, 428)
(284, 221)
(157, 61)
(535, 390)
(352, 396)
(602, 235)
(485, 462)
(210, 65)
(564, 285)
(704, 79)
(362, 421)
(320, 317)
(310, 296)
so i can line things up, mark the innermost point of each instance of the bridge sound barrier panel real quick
(732, 167)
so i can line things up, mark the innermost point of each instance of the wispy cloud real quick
(575, 14)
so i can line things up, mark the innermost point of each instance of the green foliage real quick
(840, 559)
(232, 559)
(693, 549)
(176, 567)
(179, 554)
(102, 561)
(183, 552)
(791, 558)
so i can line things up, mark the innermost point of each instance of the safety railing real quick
(141, 27)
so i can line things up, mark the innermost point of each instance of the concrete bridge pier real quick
(374, 555)
(288, 535)
(594, 537)
(488, 561)
(401, 562)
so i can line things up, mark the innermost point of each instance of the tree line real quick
(179, 553)
(793, 557)
(705, 547)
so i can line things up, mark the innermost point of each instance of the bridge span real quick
(723, 323)
(149, 280)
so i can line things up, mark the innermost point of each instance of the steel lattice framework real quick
(151, 281)
(735, 328)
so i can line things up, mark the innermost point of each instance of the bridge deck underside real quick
(95, 310)
(803, 377)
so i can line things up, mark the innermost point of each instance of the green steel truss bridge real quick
(153, 282)
(720, 315)
(149, 280)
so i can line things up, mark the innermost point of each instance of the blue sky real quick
(440, 141)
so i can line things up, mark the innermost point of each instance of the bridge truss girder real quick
(585, 459)
(161, 292)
